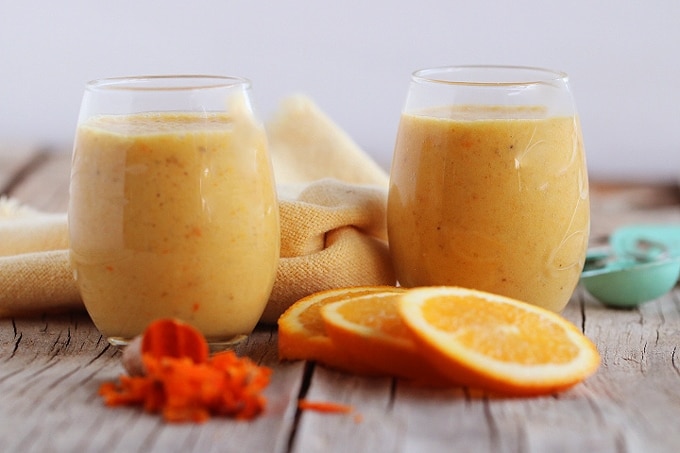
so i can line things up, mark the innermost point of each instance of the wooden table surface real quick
(52, 366)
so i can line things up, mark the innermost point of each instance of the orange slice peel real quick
(439, 336)
(370, 329)
(495, 343)
(302, 333)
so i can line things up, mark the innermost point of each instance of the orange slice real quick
(302, 334)
(371, 330)
(495, 343)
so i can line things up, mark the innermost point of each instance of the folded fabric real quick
(306, 145)
(332, 236)
(35, 276)
(333, 233)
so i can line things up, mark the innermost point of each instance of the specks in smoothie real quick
(193, 231)
(172, 160)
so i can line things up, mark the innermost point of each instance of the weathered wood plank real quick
(638, 387)
(46, 188)
(368, 429)
(52, 368)
(615, 205)
(632, 404)
(15, 158)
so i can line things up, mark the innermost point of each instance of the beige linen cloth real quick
(333, 234)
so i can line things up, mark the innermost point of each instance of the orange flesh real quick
(502, 332)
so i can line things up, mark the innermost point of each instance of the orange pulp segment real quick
(496, 343)
(371, 330)
(302, 334)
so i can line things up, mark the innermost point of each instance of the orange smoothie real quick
(173, 215)
(494, 199)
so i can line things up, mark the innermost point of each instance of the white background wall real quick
(354, 57)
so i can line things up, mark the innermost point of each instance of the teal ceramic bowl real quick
(626, 283)
(624, 239)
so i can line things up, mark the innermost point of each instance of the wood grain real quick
(16, 162)
(51, 367)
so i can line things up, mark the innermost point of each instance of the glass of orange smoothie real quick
(489, 187)
(173, 210)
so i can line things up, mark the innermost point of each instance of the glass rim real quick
(460, 75)
(179, 82)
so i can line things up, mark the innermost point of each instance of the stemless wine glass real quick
(173, 210)
(489, 187)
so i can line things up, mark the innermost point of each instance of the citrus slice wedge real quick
(371, 330)
(497, 344)
(302, 334)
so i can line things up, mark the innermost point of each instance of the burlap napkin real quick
(333, 234)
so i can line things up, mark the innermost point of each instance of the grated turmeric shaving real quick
(182, 390)
(183, 384)
(324, 406)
